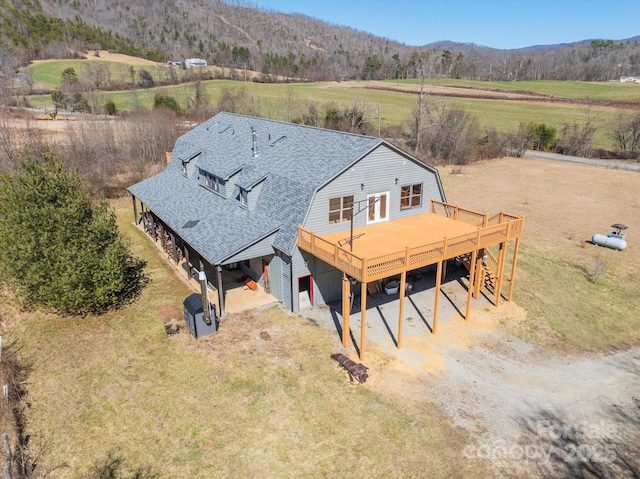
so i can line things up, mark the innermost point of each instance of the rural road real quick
(586, 161)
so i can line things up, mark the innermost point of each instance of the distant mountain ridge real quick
(240, 35)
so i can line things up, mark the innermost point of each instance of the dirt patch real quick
(170, 313)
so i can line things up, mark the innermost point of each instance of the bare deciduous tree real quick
(576, 140)
(453, 135)
(625, 131)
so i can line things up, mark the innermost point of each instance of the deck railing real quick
(503, 227)
(455, 212)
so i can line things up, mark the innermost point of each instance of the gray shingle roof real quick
(292, 169)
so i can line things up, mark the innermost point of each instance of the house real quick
(195, 62)
(299, 210)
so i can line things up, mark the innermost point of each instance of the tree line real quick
(242, 36)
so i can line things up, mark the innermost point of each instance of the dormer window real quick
(212, 182)
(244, 198)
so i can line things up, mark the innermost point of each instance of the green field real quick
(49, 74)
(611, 91)
(286, 101)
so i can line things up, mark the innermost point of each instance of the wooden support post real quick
(444, 270)
(346, 306)
(403, 289)
(500, 273)
(479, 274)
(513, 268)
(437, 293)
(174, 247)
(363, 317)
(187, 261)
(135, 210)
(472, 279)
(445, 245)
(220, 292)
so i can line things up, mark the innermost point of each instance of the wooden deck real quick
(391, 247)
(396, 247)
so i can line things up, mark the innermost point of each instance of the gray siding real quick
(327, 280)
(229, 186)
(300, 268)
(253, 195)
(286, 298)
(224, 188)
(192, 164)
(275, 275)
(377, 172)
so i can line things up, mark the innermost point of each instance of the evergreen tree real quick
(58, 249)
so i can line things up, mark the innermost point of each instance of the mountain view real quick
(239, 35)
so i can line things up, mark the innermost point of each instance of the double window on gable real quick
(340, 209)
(410, 196)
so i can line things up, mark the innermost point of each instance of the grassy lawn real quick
(609, 91)
(230, 405)
(49, 74)
(582, 315)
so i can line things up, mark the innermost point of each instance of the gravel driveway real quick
(533, 412)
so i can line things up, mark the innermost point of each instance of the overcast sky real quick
(492, 23)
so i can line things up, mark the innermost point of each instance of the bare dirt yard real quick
(538, 404)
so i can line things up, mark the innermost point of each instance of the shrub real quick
(165, 101)
(58, 249)
(110, 107)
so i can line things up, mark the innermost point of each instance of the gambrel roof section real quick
(289, 161)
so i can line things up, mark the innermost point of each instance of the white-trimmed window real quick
(244, 197)
(411, 196)
(212, 182)
(340, 209)
(184, 167)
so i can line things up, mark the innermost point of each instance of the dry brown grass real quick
(564, 204)
(262, 398)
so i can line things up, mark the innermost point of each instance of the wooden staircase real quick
(489, 267)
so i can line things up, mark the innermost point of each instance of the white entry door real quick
(378, 206)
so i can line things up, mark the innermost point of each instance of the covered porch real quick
(394, 248)
(227, 283)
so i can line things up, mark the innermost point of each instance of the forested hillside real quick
(241, 35)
